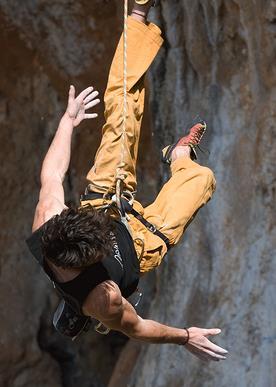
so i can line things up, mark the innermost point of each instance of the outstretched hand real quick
(201, 347)
(77, 106)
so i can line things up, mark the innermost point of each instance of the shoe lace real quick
(197, 133)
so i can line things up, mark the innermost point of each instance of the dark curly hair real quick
(77, 238)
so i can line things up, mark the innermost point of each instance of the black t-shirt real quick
(122, 267)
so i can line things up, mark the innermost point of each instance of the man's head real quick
(77, 238)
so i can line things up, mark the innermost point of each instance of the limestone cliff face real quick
(218, 61)
(45, 46)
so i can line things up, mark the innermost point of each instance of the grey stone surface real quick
(218, 62)
(45, 46)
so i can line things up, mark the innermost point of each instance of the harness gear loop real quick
(120, 173)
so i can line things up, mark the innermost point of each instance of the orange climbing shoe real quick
(192, 140)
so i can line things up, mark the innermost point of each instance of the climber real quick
(93, 258)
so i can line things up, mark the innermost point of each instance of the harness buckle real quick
(152, 228)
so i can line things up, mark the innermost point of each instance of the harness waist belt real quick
(130, 210)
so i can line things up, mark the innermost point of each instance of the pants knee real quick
(209, 176)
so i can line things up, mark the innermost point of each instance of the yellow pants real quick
(190, 186)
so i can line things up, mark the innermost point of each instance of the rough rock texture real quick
(45, 46)
(218, 61)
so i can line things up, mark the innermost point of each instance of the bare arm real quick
(106, 304)
(57, 159)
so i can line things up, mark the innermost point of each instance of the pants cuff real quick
(152, 31)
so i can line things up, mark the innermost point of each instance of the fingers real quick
(90, 97)
(91, 104)
(212, 332)
(215, 348)
(85, 93)
(72, 91)
(212, 346)
(213, 355)
(203, 348)
(89, 116)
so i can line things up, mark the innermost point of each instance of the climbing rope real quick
(120, 172)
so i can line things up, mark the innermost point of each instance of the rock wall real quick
(45, 46)
(218, 62)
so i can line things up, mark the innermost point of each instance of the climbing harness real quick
(126, 207)
(130, 210)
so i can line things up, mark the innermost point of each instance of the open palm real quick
(77, 107)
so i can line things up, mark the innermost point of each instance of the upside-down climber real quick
(93, 258)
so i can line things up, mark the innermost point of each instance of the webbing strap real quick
(130, 210)
(127, 207)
